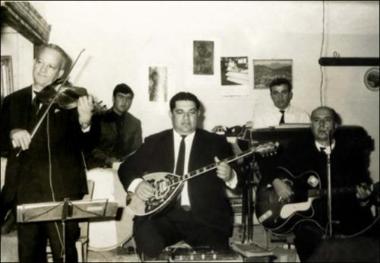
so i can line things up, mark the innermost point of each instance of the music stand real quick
(251, 177)
(66, 210)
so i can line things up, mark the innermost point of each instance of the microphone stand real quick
(329, 194)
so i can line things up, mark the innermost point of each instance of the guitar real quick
(167, 186)
(281, 216)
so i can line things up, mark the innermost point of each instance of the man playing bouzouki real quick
(349, 168)
(201, 215)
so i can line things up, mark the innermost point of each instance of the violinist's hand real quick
(144, 191)
(20, 138)
(223, 170)
(85, 109)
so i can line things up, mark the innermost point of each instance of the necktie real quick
(181, 157)
(35, 104)
(282, 120)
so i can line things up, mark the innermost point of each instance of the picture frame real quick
(203, 57)
(265, 70)
(234, 71)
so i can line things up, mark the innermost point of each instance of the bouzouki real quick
(281, 216)
(167, 186)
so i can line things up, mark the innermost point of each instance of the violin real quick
(63, 94)
(66, 97)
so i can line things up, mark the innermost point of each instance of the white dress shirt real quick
(266, 116)
(185, 200)
(326, 149)
(188, 144)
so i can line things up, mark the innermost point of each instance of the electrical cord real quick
(322, 93)
(61, 239)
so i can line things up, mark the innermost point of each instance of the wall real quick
(15, 45)
(122, 39)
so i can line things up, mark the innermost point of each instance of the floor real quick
(257, 250)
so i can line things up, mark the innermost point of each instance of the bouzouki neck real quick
(212, 166)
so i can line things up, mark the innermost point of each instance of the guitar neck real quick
(323, 192)
(212, 166)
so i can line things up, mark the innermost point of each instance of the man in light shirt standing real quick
(281, 112)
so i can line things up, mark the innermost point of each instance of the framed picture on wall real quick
(6, 76)
(203, 57)
(265, 70)
(158, 88)
(234, 71)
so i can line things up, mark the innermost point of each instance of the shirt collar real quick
(178, 136)
(327, 149)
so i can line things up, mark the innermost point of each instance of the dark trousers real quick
(153, 235)
(32, 241)
(307, 238)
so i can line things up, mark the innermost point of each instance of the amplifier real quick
(190, 255)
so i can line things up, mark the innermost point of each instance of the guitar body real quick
(282, 216)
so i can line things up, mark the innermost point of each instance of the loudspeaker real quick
(359, 249)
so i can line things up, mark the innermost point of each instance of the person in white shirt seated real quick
(281, 112)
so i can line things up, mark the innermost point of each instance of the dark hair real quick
(280, 81)
(184, 96)
(123, 88)
(336, 117)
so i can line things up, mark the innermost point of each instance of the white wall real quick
(11, 44)
(122, 39)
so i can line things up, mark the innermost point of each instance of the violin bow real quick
(35, 129)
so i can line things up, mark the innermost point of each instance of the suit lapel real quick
(168, 140)
(196, 149)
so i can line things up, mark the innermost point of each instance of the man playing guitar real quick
(349, 168)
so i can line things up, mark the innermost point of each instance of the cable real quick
(61, 240)
(322, 99)
(363, 230)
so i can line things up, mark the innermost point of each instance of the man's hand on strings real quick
(144, 191)
(282, 189)
(85, 110)
(223, 170)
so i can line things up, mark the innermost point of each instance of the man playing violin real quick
(349, 168)
(48, 166)
(201, 215)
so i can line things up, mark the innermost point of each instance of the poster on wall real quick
(265, 70)
(234, 71)
(158, 88)
(203, 57)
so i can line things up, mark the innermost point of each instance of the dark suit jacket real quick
(111, 144)
(206, 192)
(349, 167)
(27, 176)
